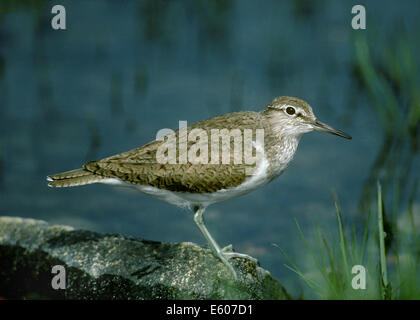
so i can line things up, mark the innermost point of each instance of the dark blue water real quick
(124, 70)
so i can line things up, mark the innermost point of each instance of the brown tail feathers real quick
(73, 178)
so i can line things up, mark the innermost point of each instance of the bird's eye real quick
(290, 111)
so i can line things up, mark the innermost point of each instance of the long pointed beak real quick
(320, 126)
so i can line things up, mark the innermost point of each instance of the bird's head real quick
(294, 117)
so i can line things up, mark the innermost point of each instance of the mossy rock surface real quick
(112, 266)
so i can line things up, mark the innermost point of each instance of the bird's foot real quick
(228, 248)
(229, 253)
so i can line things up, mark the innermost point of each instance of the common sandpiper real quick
(177, 168)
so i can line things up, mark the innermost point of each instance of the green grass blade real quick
(318, 264)
(384, 275)
(312, 284)
(365, 238)
(343, 243)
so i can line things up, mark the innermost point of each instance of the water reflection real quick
(392, 85)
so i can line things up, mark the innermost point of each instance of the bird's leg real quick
(199, 220)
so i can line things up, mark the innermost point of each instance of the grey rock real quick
(112, 266)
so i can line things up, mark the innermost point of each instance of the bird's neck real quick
(279, 150)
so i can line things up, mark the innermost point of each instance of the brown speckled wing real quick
(139, 166)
